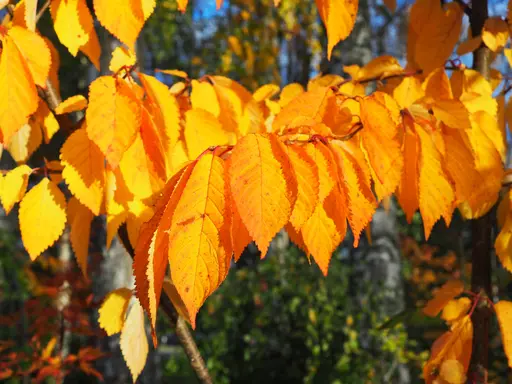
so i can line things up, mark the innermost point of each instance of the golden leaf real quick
(14, 186)
(112, 312)
(42, 217)
(441, 298)
(80, 218)
(71, 104)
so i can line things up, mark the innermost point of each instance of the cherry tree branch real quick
(182, 331)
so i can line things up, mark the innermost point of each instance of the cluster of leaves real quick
(200, 170)
(59, 304)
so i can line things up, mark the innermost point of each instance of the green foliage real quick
(280, 321)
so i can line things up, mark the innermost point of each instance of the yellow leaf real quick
(378, 140)
(71, 104)
(138, 214)
(122, 57)
(42, 217)
(452, 372)
(84, 169)
(25, 142)
(18, 94)
(504, 314)
(92, 48)
(508, 54)
(138, 172)
(203, 130)
(235, 46)
(262, 187)
(495, 33)
(66, 21)
(306, 173)
(45, 120)
(437, 85)
(203, 96)
(339, 17)
(469, 46)
(408, 91)
(36, 53)
(290, 92)
(30, 14)
(436, 194)
(455, 309)
(54, 69)
(113, 117)
(124, 19)
(112, 312)
(174, 72)
(199, 244)
(453, 113)
(182, 5)
(14, 186)
(265, 92)
(443, 295)
(80, 218)
(134, 342)
(381, 66)
(166, 112)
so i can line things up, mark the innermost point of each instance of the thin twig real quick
(182, 331)
(41, 11)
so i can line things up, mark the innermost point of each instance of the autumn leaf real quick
(14, 186)
(24, 142)
(18, 94)
(42, 217)
(112, 312)
(203, 130)
(504, 314)
(80, 219)
(124, 19)
(199, 244)
(151, 251)
(113, 117)
(71, 104)
(339, 17)
(495, 33)
(74, 26)
(84, 169)
(441, 298)
(262, 187)
(134, 342)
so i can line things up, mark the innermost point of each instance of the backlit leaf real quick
(18, 94)
(14, 186)
(24, 142)
(80, 218)
(71, 104)
(113, 117)
(84, 169)
(261, 186)
(339, 17)
(112, 312)
(441, 298)
(122, 57)
(203, 130)
(134, 342)
(504, 314)
(495, 33)
(42, 217)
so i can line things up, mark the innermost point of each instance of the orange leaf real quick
(14, 185)
(122, 57)
(113, 117)
(134, 342)
(263, 186)
(199, 244)
(42, 217)
(441, 298)
(381, 147)
(18, 94)
(306, 173)
(84, 169)
(504, 314)
(24, 142)
(436, 194)
(174, 296)
(455, 309)
(80, 218)
(495, 33)
(408, 190)
(339, 17)
(151, 251)
(112, 312)
(30, 14)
